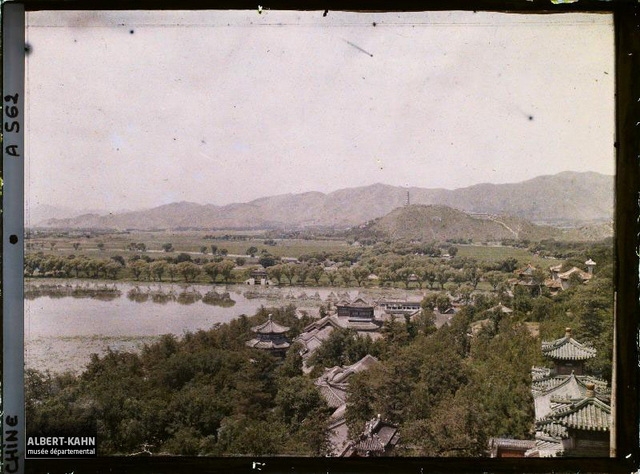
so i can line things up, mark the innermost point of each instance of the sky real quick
(131, 110)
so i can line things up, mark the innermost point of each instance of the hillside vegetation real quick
(442, 223)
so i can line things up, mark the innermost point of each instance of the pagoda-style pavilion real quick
(547, 391)
(270, 336)
(572, 410)
(567, 354)
(582, 424)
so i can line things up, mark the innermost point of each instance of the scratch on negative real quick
(358, 47)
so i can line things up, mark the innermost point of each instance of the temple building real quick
(319, 331)
(334, 382)
(333, 385)
(359, 316)
(567, 354)
(401, 306)
(581, 424)
(315, 334)
(270, 336)
(560, 281)
(378, 439)
(548, 390)
(358, 309)
(573, 412)
(258, 276)
(510, 448)
(572, 409)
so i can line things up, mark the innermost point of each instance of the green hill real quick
(440, 223)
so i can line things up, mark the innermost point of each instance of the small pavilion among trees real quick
(270, 336)
(567, 354)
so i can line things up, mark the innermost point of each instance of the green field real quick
(187, 241)
(487, 253)
(192, 241)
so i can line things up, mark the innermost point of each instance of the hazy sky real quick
(131, 110)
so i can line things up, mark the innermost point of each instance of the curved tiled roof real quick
(544, 386)
(502, 308)
(601, 386)
(553, 429)
(336, 375)
(377, 437)
(567, 348)
(540, 373)
(508, 443)
(315, 334)
(553, 284)
(555, 393)
(270, 327)
(582, 274)
(334, 382)
(334, 397)
(589, 414)
(359, 302)
(370, 444)
(526, 271)
(545, 447)
(322, 323)
(266, 344)
(363, 326)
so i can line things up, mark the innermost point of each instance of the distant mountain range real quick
(564, 199)
(36, 215)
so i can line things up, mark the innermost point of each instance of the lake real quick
(61, 332)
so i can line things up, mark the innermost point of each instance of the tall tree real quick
(188, 270)
(226, 269)
(212, 270)
(302, 272)
(289, 272)
(275, 272)
(346, 275)
(157, 269)
(315, 272)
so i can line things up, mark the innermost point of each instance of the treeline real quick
(407, 266)
(390, 269)
(137, 267)
(410, 271)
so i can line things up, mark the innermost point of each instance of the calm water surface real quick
(62, 332)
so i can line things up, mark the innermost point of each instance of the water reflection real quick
(161, 297)
(189, 297)
(99, 292)
(219, 299)
(137, 295)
